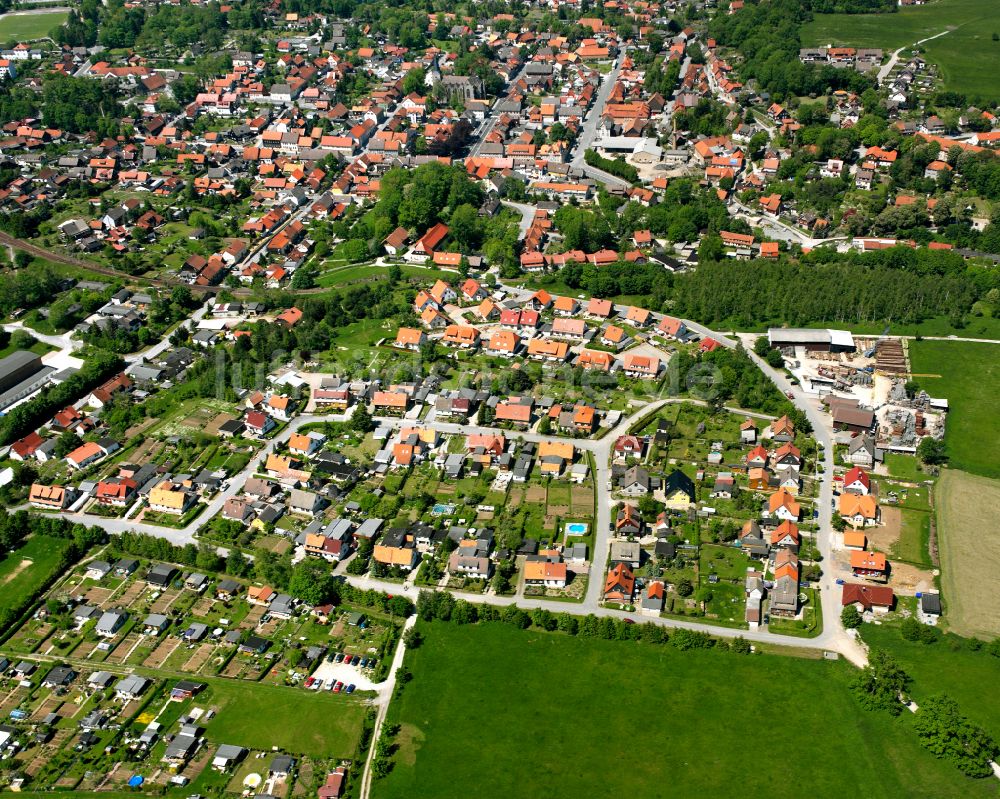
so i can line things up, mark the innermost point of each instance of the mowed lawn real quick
(966, 55)
(970, 380)
(967, 677)
(259, 716)
(25, 570)
(500, 712)
(30, 26)
(339, 276)
(969, 544)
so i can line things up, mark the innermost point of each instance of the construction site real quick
(868, 390)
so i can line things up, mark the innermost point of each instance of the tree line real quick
(443, 606)
(754, 293)
(767, 36)
(613, 166)
(309, 580)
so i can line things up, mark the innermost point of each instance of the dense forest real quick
(904, 284)
(751, 293)
(853, 6)
(79, 105)
(767, 35)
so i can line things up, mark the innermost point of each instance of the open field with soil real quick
(546, 735)
(969, 541)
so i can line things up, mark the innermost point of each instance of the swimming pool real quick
(577, 528)
(442, 510)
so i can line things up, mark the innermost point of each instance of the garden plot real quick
(124, 649)
(99, 596)
(582, 500)
(45, 753)
(30, 636)
(161, 653)
(203, 607)
(165, 600)
(131, 594)
(200, 657)
(212, 428)
(535, 493)
(253, 617)
(11, 700)
(50, 705)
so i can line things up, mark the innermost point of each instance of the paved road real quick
(527, 213)
(527, 603)
(601, 452)
(590, 122)
(487, 125)
(886, 68)
(833, 637)
(60, 342)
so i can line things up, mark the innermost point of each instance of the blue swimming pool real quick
(442, 510)
(577, 528)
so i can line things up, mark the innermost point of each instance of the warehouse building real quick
(21, 374)
(812, 340)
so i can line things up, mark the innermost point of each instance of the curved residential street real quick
(832, 638)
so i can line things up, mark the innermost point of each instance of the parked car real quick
(337, 688)
(350, 688)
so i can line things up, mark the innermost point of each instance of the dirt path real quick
(24, 564)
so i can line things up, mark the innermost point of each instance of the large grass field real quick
(25, 570)
(514, 713)
(967, 677)
(339, 276)
(967, 55)
(970, 380)
(260, 716)
(29, 26)
(969, 543)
